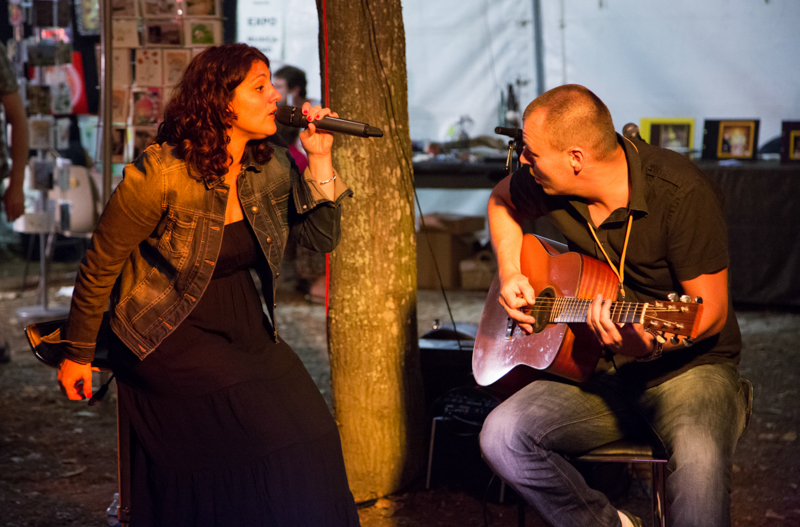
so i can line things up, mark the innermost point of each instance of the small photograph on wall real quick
(201, 8)
(120, 145)
(38, 99)
(120, 104)
(162, 32)
(40, 133)
(146, 107)
(125, 32)
(163, 8)
(673, 133)
(123, 8)
(121, 64)
(175, 62)
(730, 139)
(203, 32)
(62, 129)
(790, 142)
(148, 67)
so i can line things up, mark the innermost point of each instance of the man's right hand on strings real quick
(516, 292)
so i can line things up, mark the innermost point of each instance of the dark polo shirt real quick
(678, 234)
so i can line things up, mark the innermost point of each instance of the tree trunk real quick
(372, 321)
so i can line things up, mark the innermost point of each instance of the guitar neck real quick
(570, 310)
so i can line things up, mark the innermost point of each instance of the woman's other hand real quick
(75, 380)
(316, 142)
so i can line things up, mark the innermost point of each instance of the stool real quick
(52, 355)
(643, 451)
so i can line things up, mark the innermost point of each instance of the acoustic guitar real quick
(562, 343)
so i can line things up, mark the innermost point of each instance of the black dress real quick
(228, 427)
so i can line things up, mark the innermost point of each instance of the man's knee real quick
(502, 434)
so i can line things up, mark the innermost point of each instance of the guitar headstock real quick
(679, 317)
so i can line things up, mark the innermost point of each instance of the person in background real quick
(13, 197)
(309, 266)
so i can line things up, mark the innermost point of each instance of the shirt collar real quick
(248, 163)
(637, 205)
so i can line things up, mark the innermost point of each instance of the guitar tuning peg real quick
(661, 338)
(698, 299)
(673, 297)
(686, 299)
(674, 340)
(688, 342)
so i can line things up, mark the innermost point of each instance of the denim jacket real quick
(155, 246)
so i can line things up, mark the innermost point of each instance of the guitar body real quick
(567, 350)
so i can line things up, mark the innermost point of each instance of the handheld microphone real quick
(293, 116)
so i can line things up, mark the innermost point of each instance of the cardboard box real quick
(452, 239)
(478, 271)
(448, 250)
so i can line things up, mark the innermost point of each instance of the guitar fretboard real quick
(569, 310)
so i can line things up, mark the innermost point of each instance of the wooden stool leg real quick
(659, 495)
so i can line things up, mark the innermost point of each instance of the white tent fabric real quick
(707, 60)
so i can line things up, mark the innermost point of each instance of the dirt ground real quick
(58, 458)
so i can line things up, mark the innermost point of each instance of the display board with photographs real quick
(154, 42)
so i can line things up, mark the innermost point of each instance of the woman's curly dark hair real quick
(198, 116)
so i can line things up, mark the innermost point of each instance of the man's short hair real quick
(574, 116)
(294, 77)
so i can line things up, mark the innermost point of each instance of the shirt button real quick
(305, 206)
(254, 209)
(269, 240)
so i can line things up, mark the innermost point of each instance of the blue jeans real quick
(698, 416)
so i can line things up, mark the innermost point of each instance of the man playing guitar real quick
(658, 222)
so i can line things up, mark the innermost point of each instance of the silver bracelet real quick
(328, 180)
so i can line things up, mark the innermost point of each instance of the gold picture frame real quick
(736, 140)
(794, 145)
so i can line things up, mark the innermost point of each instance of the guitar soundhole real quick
(542, 309)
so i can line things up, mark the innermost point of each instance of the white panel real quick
(461, 54)
(707, 60)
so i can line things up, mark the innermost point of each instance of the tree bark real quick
(372, 322)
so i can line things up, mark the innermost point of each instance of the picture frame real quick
(674, 133)
(87, 17)
(730, 139)
(40, 133)
(120, 144)
(175, 63)
(201, 8)
(149, 67)
(124, 8)
(162, 32)
(202, 32)
(125, 32)
(120, 105)
(147, 106)
(159, 8)
(38, 96)
(122, 67)
(790, 142)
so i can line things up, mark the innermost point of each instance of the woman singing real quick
(228, 428)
